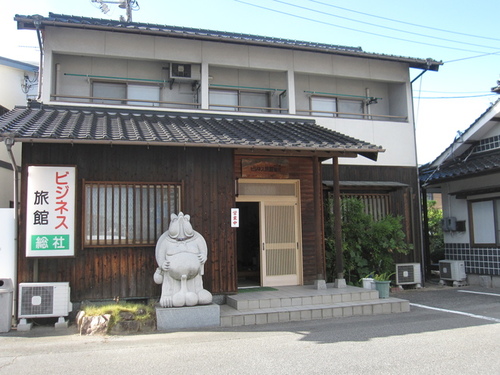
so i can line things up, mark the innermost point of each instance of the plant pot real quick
(383, 288)
(368, 283)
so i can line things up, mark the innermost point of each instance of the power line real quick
(381, 26)
(456, 97)
(352, 29)
(403, 22)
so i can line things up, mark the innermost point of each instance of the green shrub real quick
(368, 245)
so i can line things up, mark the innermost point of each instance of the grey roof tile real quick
(229, 37)
(60, 123)
(475, 164)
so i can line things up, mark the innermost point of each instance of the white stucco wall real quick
(11, 95)
(142, 56)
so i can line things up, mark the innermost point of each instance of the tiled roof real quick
(475, 164)
(28, 22)
(113, 125)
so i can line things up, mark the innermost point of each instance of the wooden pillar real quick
(339, 258)
(319, 220)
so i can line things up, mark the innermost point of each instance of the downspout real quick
(9, 142)
(423, 242)
(38, 22)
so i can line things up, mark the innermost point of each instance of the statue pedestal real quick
(199, 316)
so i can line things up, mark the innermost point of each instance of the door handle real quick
(263, 246)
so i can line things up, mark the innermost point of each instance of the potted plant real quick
(382, 283)
(368, 281)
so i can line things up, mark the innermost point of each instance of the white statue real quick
(181, 253)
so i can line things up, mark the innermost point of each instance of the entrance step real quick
(305, 303)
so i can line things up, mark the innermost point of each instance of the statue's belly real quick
(184, 264)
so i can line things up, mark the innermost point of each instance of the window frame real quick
(127, 214)
(495, 213)
(239, 96)
(338, 102)
(126, 99)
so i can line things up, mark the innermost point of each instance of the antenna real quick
(128, 5)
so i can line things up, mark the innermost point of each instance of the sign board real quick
(264, 168)
(50, 211)
(235, 217)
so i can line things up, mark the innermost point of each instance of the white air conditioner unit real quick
(452, 270)
(44, 300)
(408, 274)
(189, 72)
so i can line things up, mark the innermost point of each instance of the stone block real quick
(485, 281)
(249, 320)
(265, 304)
(495, 281)
(357, 310)
(187, 317)
(284, 316)
(272, 318)
(261, 319)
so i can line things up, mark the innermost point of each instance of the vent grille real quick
(408, 273)
(37, 300)
(43, 300)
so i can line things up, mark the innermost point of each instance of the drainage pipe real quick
(9, 142)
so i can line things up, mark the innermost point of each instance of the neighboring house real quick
(467, 174)
(157, 119)
(19, 82)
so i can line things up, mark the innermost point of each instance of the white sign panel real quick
(235, 217)
(50, 211)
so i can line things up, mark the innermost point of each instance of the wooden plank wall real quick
(302, 169)
(103, 273)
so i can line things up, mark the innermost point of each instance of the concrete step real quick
(259, 300)
(305, 303)
(231, 317)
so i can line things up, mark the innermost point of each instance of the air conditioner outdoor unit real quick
(44, 300)
(452, 270)
(408, 273)
(189, 72)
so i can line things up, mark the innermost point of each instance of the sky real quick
(462, 34)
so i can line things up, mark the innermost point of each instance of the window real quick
(236, 100)
(336, 107)
(375, 205)
(128, 214)
(321, 106)
(103, 90)
(485, 219)
(117, 93)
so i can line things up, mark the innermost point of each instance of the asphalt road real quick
(448, 331)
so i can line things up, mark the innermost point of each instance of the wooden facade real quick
(401, 186)
(208, 176)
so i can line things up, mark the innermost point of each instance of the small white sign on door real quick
(235, 217)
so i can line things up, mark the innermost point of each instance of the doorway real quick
(269, 237)
(248, 244)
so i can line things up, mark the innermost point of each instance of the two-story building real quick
(152, 119)
(467, 175)
(19, 83)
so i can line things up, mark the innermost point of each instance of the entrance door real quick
(280, 244)
(279, 234)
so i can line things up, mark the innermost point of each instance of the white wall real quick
(11, 95)
(240, 64)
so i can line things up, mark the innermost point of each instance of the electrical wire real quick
(403, 22)
(352, 29)
(383, 27)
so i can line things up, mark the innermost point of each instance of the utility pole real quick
(128, 5)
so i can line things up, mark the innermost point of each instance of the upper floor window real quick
(485, 222)
(121, 93)
(337, 107)
(239, 100)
